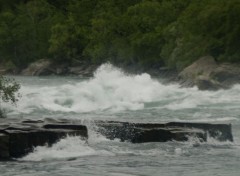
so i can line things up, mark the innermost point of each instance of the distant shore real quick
(205, 73)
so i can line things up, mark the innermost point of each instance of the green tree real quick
(205, 27)
(70, 36)
(8, 92)
(148, 33)
(25, 31)
(133, 34)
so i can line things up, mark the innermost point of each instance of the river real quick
(115, 95)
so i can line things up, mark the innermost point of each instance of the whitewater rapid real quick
(74, 147)
(112, 94)
(112, 91)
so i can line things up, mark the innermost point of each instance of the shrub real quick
(8, 92)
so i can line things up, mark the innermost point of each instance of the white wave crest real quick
(70, 147)
(112, 90)
(109, 89)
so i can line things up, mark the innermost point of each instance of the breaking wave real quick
(112, 90)
(73, 148)
(69, 147)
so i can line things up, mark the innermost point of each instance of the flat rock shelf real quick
(19, 137)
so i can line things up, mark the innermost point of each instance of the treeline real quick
(170, 33)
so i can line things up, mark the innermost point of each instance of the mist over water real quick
(113, 94)
(109, 90)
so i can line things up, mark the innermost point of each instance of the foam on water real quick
(111, 90)
(192, 97)
(74, 147)
(69, 147)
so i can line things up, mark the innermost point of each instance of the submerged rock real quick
(17, 138)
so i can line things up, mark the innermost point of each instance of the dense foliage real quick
(170, 33)
(8, 90)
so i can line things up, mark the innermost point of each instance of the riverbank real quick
(205, 73)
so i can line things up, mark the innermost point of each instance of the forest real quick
(149, 33)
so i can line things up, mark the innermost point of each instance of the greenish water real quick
(111, 94)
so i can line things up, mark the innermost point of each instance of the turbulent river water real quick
(112, 94)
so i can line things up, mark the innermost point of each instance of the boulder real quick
(85, 70)
(205, 83)
(202, 67)
(39, 68)
(226, 74)
(207, 74)
(45, 67)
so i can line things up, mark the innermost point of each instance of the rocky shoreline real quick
(19, 137)
(205, 73)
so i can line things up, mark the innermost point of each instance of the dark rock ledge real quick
(17, 138)
(163, 132)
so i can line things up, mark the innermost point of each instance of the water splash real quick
(109, 90)
(113, 91)
(69, 147)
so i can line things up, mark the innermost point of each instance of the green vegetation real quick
(8, 90)
(147, 33)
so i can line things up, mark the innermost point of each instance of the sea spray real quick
(69, 147)
(111, 93)
(119, 96)
(109, 90)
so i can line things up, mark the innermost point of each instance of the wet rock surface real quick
(163, 132)
(19, 137)
(38, 68)
(46, 67)
(207, 74)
